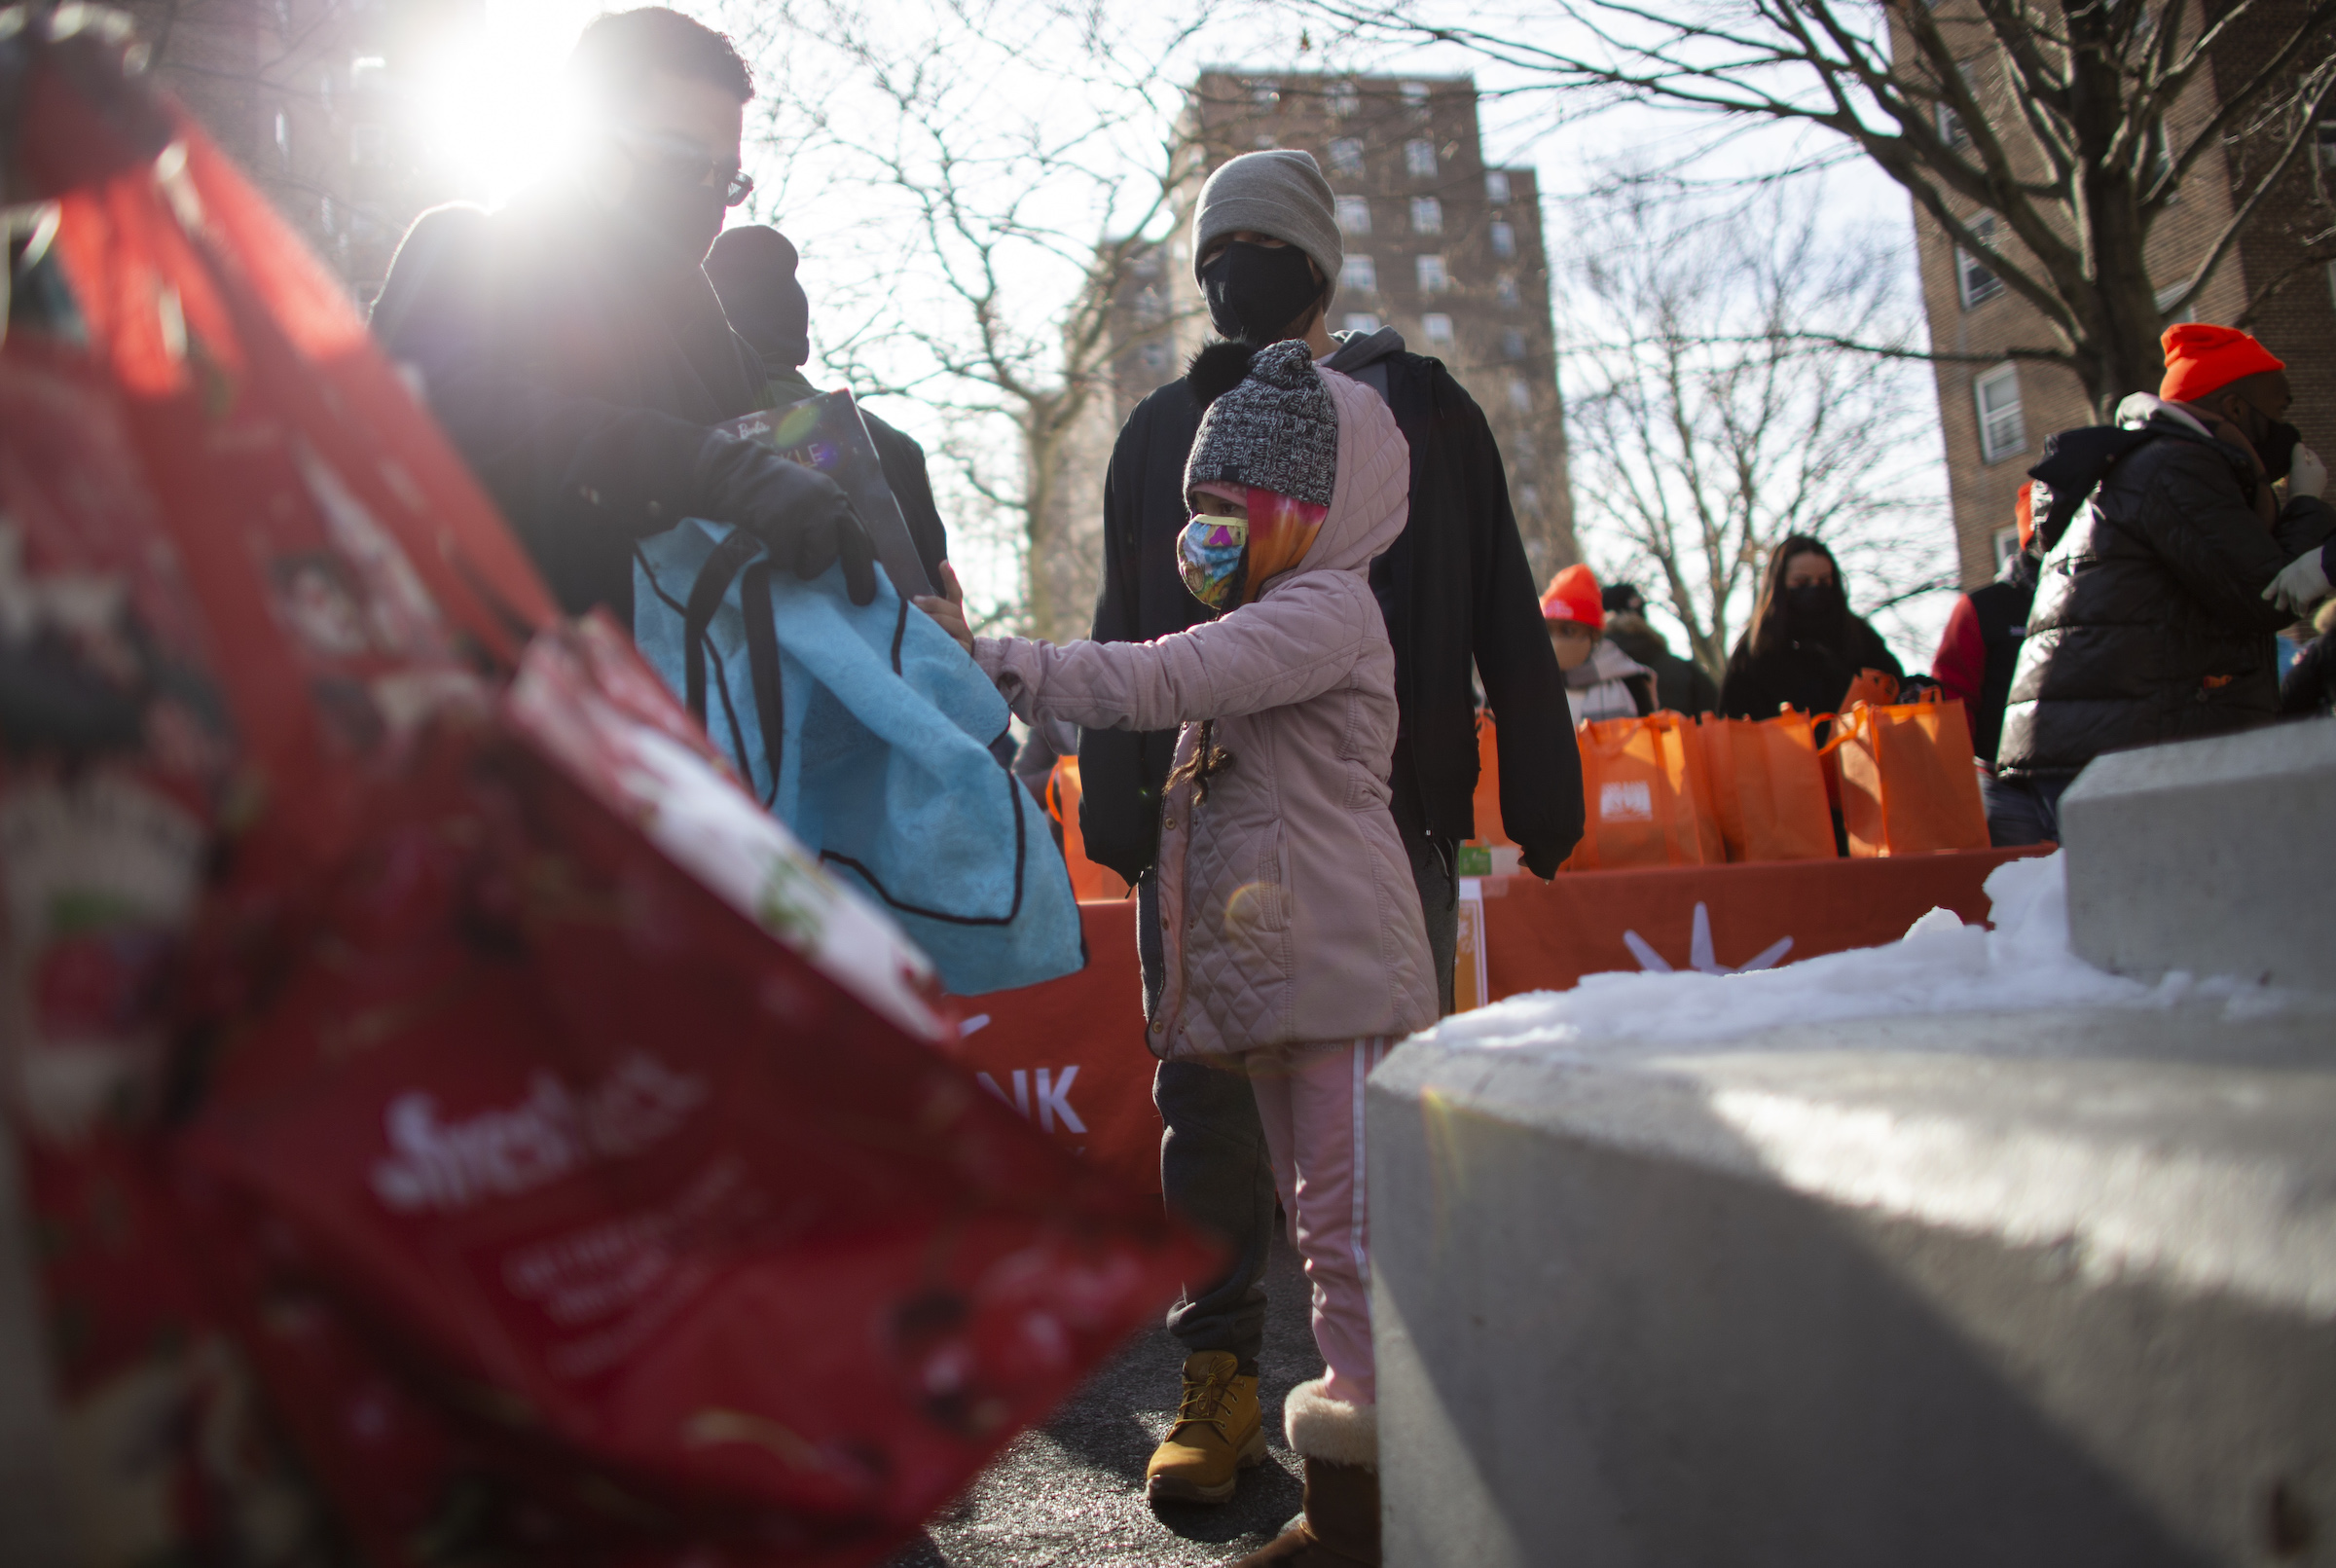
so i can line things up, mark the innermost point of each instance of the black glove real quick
(798, 514)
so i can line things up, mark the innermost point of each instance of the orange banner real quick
(1070, 1055)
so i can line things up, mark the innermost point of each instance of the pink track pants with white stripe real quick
(1311, 1102)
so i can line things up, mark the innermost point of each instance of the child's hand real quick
(950, 611)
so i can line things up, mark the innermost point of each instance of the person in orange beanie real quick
(2154, 615)
(1601, 680)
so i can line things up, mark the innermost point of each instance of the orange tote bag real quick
(1767, 788)
(1908, 786)
(1646, 801)
(1088, 879)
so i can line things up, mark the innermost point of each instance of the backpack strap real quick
(762, 664)
(715, 576)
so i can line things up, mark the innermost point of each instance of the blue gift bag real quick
(866, 730)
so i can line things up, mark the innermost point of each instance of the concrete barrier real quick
(2041, 1288)
(2216, 857)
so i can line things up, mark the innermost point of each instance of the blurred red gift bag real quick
(579, 1166)
(1767, 790)
(1645, 796)
(1908, 786)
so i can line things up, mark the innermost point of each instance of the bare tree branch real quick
(2074, 152)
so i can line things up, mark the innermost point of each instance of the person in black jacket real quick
(1981, 642)
(1455, 590)
(1681, 685)
(576, 352)
(753, 270)
(1803, 646)
(2150, 622)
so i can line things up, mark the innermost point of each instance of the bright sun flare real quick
(487, 96)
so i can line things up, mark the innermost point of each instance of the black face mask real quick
(2277, 448)
(1257, 293)
(1818, 610)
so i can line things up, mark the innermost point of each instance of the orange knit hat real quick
(1574, 595)
(2201, 359)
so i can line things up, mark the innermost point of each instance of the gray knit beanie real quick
(1276, 429)
(1279, 192)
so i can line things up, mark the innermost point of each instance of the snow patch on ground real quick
(1941, 966)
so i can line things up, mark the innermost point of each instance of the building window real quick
(1358, 321)
(1433, 280)
(1150, 307)
(1346, 156)
(1264, 95)
(1504, 240)
(1154, 356)
(1358, 274)
(1427, 215)
(369, 144)
(1520, 394)
(2324, 146)
(2007, 545)
(1528, 496)
(1436, 328)
(1415, 96)
(1341, 100)
(1513, 344)
(1972, 277)
(1419, 159)
(2001, 431)
(1950, 126)
(1354, 215)
(1496, 185)
(1504, 289)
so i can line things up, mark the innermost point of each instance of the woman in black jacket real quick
(1804, 647)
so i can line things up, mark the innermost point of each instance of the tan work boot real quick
(1219, 1433)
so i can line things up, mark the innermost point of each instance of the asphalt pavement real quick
(1071, 1492)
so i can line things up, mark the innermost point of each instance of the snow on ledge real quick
(1941, 966)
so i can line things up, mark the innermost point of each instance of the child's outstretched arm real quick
(1269, 654)
(1301, 641)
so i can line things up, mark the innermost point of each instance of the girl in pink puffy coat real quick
(1295, 949)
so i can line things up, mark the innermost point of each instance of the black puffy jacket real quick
(2149, 623)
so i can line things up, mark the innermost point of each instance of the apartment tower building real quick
(1442, 247)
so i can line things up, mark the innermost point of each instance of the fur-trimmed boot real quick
(1339, 1443)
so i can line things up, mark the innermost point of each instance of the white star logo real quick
(1699, 951)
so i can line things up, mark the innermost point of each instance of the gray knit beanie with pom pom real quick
(1270, 423)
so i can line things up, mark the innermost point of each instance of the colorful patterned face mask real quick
(1210, 554)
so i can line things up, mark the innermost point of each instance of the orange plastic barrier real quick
(1069, 1054)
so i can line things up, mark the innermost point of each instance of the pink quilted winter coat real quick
(1285, 898)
